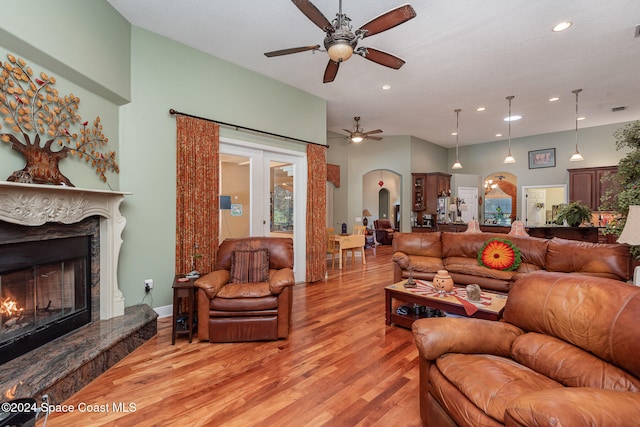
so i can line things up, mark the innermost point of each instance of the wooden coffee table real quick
(491, 308)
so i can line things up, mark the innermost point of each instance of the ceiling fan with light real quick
(358, 134)
(341, 41)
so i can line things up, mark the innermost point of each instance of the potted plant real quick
(626, 191)
(574, 213)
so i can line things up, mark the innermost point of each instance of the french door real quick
(267, 191)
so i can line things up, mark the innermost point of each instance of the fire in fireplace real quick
(45, 291)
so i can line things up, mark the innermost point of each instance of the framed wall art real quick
(545, 158)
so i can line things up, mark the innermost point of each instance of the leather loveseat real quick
(426, 253)
(564, 354)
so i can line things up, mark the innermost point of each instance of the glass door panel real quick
(281, 197)
(236, 205)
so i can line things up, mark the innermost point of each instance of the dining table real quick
(350, 242)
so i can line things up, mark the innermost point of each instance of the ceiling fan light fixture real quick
(356, 138)
(340, 51)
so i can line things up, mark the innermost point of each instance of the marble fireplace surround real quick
(63, 366)
(34, 205)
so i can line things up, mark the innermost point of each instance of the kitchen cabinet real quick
(427, 187)
(587, 185)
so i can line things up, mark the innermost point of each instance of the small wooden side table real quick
(183, 293)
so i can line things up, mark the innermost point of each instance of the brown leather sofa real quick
(232, 310)
(426, 253)
(564, 354)
(384, 231)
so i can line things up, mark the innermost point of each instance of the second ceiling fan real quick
(341, 41)
(358, 134)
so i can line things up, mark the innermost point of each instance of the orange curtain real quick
(316, 213)
(197, 205)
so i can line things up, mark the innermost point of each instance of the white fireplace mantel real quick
(34, 205)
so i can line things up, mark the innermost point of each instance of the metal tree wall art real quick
(39, 123)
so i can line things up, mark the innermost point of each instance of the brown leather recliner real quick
(565, 354)
(384, 231)
(248, 296)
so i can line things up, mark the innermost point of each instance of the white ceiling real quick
(459, 54)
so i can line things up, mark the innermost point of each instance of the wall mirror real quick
(500, 191)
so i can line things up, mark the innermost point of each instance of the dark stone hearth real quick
(63, 366)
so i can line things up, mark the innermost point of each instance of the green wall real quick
(166, 74)
(85, 41)
(89, 57)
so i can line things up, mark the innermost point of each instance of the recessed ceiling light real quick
(454, 133)
(386, 87)
(562, 26)
(498, 135)
(512, 118)
(554, 99)
(581, 118)
(480, 109)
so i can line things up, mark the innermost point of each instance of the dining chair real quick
(333, 247)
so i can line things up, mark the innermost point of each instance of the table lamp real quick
(365, 214)
(631, 235)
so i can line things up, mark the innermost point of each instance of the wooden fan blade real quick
(389, 20)
(291, 50)
(384, 58)
(376, 138)
(330, 72)
(312, 12)
(373, 131)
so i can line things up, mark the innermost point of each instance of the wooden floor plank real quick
(340, 366)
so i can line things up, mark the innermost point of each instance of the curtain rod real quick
(286, 138)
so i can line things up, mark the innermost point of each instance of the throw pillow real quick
(250, 266)
(499, 254)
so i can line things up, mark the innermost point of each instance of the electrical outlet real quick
(148, 284)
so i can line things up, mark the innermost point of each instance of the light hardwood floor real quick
(340, 366)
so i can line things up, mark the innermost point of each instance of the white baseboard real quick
(164, 311)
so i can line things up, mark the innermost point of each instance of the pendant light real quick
(457, 164)
(576, 157)
(509, 158)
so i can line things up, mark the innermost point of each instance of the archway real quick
(376, 180)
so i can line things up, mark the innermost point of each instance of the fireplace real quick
(45, 283)
(72, 282)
